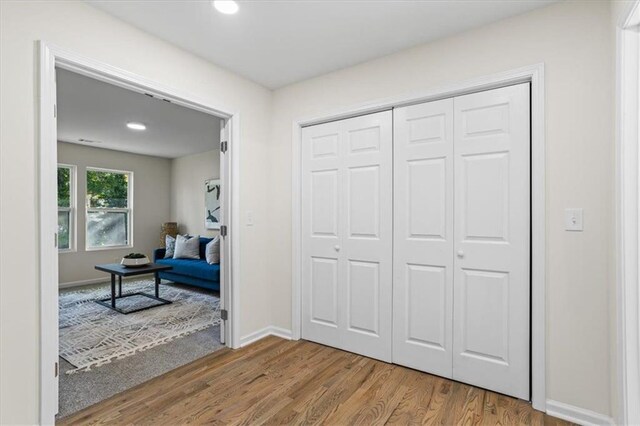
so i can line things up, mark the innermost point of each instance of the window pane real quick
(105, 229)
(64, 187)
(107, 189)
(63, 229)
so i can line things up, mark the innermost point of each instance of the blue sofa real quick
(196, 272)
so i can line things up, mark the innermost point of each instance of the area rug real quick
(92, 335)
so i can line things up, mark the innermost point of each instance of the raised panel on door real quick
(425, 299)
(324, 291)
(364, 201)
(485, 191)
(346, 241)
(423, 237)
(363, 292)
(324, 203)
(427, 199)
(484, 299)
(492, 235)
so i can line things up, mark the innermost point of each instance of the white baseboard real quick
(261, 334)
(83, 282)
(577, 415)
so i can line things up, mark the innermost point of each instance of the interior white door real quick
(492, 234)
(347, 234)
(423, 237)
(225, 257)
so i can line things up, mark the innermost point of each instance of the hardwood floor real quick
(275, 381)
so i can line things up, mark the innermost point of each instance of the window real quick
(109, 209)
(66, 207)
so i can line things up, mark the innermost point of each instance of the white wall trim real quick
(81, 283)
(575, 414)
(627, 342)
(50, 57)
(261, 334)
(47, 251)
(233, 293)
(533, 74)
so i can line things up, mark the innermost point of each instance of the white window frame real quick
(72, 209)
(128, 210)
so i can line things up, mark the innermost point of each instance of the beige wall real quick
(151, 206)
(187, 189)
(80, 28)
(574, 40)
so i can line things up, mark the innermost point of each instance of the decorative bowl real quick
(134, 260)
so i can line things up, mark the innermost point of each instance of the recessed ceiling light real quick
(228, 7)
(136, 126)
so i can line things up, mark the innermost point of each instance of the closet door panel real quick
(346, 226)
(321, 224)
(367, 242)
(492, 237)
(423, 236)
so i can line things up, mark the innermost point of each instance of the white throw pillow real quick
(187, 247)
(212, 251)
(170, 244)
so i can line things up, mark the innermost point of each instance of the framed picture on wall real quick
(212, 204)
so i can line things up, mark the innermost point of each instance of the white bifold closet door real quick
(461, 236)
(492, 226)
(423, 237)
(347, 184)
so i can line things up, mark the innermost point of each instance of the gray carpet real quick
(85, 388)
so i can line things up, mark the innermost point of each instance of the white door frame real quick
(50, 57)
(533, 74)
(627, 214)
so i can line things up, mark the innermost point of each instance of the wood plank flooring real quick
(277, 382)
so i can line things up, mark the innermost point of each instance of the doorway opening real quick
(136, 190)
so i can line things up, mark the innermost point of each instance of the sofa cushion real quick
(203, 246)
(187, 247)
(212, 253)
(170, 244)
(193, 268)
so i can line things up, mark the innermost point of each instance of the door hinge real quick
(223, 230)
(55, 111)
(56, 369)
(224, 314)
(55, 239)
(223, 146)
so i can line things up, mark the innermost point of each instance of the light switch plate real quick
(249, 218)
(573, 220)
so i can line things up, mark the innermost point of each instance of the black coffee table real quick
(121, 271)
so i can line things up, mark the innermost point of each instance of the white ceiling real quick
(276, 43)
(98, 111)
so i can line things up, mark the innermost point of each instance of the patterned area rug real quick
(92, 335)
